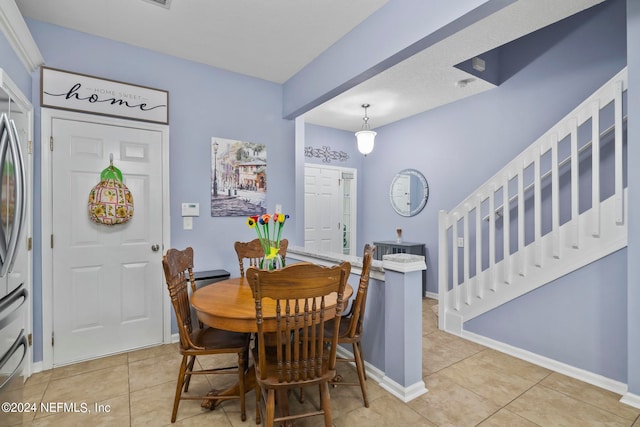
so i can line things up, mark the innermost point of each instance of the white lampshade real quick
(365, 140)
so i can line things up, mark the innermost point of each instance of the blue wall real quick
(204, 102)
(459, 146)
(13, 67)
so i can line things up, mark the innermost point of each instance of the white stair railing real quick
(542, 216)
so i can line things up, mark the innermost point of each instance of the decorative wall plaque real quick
(79, 92)
(325, 154)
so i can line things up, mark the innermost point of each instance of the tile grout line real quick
(588, 403)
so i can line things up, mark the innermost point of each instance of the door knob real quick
(155, 248)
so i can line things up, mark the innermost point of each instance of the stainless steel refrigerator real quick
(13, 289)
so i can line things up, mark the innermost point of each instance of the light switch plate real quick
(187, 223)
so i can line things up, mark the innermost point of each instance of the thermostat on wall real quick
(191, 209)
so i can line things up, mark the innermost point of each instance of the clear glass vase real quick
(271, 264)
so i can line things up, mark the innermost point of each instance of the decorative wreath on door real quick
(110, 201)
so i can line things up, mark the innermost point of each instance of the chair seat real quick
(212, 339)
(343, 331)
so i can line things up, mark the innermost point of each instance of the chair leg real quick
(187, 381)
(361, 374)
(271, 407)
(241, 362)
(258, 396)
(359, 343)
(176, 400)
(326, 403)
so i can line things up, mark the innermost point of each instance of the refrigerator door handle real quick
(8, 301)
(13, 149)
(20, 211)
(20, 342)
(4, 130)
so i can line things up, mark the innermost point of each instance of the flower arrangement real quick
(269, 236)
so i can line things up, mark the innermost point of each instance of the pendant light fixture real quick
(366, 136)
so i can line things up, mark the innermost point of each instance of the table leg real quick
(249, 384)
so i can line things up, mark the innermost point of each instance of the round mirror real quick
(409, 192)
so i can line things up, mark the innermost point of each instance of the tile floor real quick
(468, 385)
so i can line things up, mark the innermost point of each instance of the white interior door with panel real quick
(329, 211)
(107, 287)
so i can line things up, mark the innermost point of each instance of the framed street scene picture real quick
(238, 178)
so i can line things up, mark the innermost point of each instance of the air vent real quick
(163, 3)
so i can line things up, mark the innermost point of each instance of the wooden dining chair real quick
(199, 341)
(297, 356)
(351, 327)
(253, 252)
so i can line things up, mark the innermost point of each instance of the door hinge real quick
(52, 340)
(51, 143)
(30, 339)
(30, 145)
(29, 243)
(52, 241)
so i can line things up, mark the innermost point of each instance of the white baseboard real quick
(372, 372)
(432, 295)
(562, 368)
(36, 367)
(406, 394)
(631, 400)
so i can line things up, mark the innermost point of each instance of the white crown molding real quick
(17, 33)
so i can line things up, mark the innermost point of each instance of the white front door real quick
(322, 209)
(107, 285)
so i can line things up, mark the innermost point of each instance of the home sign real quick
(79, 92)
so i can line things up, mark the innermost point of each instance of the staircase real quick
(556, 207)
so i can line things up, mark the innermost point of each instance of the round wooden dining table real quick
(229, 305)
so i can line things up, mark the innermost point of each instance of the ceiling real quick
(275, 39)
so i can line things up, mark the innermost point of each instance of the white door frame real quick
(47, 116)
